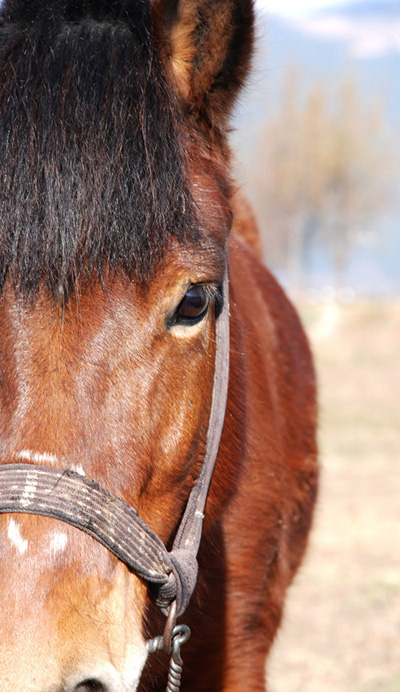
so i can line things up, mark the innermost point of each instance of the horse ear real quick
(206, 47)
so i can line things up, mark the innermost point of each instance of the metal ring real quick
(180, 635)
(169, 626)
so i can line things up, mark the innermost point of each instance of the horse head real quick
(115, 215)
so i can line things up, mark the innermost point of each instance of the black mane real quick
(91, 160)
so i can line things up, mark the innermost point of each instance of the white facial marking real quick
(14, 535)
(37, 457)
(58, 543)
(78, 468)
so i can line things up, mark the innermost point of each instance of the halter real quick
(83, 503)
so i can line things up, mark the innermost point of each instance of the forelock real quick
(92, 160)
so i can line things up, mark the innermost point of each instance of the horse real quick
(124, 246)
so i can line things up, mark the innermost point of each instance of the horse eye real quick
(193, 307)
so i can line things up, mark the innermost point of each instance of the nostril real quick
(91, 685)
(98, 677)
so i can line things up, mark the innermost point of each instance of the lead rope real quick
(180, 635)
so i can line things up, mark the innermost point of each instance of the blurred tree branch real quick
(324, 170)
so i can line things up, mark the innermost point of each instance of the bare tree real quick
(324, 169)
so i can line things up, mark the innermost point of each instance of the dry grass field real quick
(342, 624)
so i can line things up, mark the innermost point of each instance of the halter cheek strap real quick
(187, 541)
(81, 502)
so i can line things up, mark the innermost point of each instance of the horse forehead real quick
(46, 344)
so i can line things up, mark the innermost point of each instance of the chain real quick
(180, 635)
